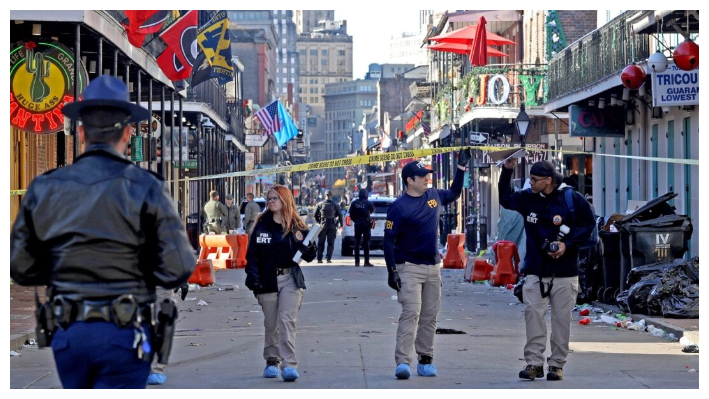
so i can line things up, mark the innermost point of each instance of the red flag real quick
(139, 23)
(412, 122)
(181, 52)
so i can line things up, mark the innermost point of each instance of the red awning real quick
(460, 48)
(467, 34)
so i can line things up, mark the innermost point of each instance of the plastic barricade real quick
(243, 241)
(455, 257)
(480, 269)
(506, 263)
(203, 274)
(221, 249)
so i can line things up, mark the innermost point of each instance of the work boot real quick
(367, 264)
(530, 372)
(319, 260)
(289, 374)
(403, 371)
(329, 261)
(555, 373)
(425, 367)
(357, 265)
(271, 370)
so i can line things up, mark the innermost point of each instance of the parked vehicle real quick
(381, 206)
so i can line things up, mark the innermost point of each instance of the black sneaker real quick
(368, 265)
(555, 373)
(530, 372)
(329, 261)
(357, 265)
(319, 260)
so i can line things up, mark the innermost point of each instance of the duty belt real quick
(282, 271)
(123, 311)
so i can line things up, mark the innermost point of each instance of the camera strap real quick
(541, 287)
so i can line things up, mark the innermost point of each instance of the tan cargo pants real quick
(280, 313)
(562, 298)
(420, 299)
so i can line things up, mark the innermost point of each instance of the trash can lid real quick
(654, 208)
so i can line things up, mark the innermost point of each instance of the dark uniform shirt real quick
(361, 210)
(411, 230)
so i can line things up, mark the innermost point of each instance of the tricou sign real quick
(675, 86)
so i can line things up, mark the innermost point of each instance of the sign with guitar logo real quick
(41, 81)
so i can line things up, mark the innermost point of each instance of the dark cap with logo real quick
(414, 169)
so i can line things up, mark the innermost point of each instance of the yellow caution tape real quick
(18, 192)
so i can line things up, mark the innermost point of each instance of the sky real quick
(371, 30)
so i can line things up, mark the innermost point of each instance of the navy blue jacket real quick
(361, 210)
(411, 229)
(543, 216)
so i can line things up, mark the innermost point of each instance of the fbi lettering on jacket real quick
(263, 238)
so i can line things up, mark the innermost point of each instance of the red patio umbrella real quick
(467, 34)
(478, 51)
(460, 48)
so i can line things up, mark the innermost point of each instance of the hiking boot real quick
(425, 367)
(271, 370)
(329, 261)
(530, 372)
(368, 265)
(403, 371)
(555, 373)
(319, 260)
(289, 374)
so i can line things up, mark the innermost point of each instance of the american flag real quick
(268, 116)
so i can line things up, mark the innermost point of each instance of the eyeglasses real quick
(272, 199)
(533, 179)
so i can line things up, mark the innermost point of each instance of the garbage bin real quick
(610, 260)
(659, 240)
(654, 209)
(471, 234)
(193, 230)
(483, 232)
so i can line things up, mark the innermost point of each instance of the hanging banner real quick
(41, 81)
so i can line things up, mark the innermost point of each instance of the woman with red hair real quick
(277, 280)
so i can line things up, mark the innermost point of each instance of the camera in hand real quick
(550, 246)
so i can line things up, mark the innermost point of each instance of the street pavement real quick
(346, 334)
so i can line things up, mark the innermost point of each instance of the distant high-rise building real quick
(307, 20)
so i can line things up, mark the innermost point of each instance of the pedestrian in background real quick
(251, 210)
(361, 210)
(232, 221)
(277, 280)
(412, 259)
(328, 215)
(101, 234)
(215, 212)
(551, 261)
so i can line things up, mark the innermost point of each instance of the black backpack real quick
(593, 239)
(328, 210)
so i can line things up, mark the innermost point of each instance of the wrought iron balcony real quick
(599, 54)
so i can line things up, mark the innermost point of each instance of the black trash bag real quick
(638, 293)
(587, 262)
(691, 269)
(637, 273)
(622, 301)
(654, 301)
(682, 305)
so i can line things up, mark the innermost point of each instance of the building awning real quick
(413, 136)
(238, 144)
(376, 144)
(440, 134)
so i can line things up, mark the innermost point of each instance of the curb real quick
(18, 340)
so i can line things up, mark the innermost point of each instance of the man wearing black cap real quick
(551, 261)
(102, 260)
(412, 259)
(361, 210)
(328, 214)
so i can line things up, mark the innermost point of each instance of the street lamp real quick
(522, 122)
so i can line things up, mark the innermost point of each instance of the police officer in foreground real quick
(328, 215)
(361, 210)
(554, 235)
(101, 234)
(412, 259)
(215, 212)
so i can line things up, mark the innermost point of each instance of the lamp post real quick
(522, 122)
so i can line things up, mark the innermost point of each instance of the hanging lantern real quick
(657, 62)
(686, 55)
(633, 76)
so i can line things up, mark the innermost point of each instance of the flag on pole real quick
(277, 122)
(140, 23)
(178, 58)
(214, 60)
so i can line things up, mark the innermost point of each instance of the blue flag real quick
(288, 128)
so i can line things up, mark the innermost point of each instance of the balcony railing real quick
(596, 56)
(499, 85)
